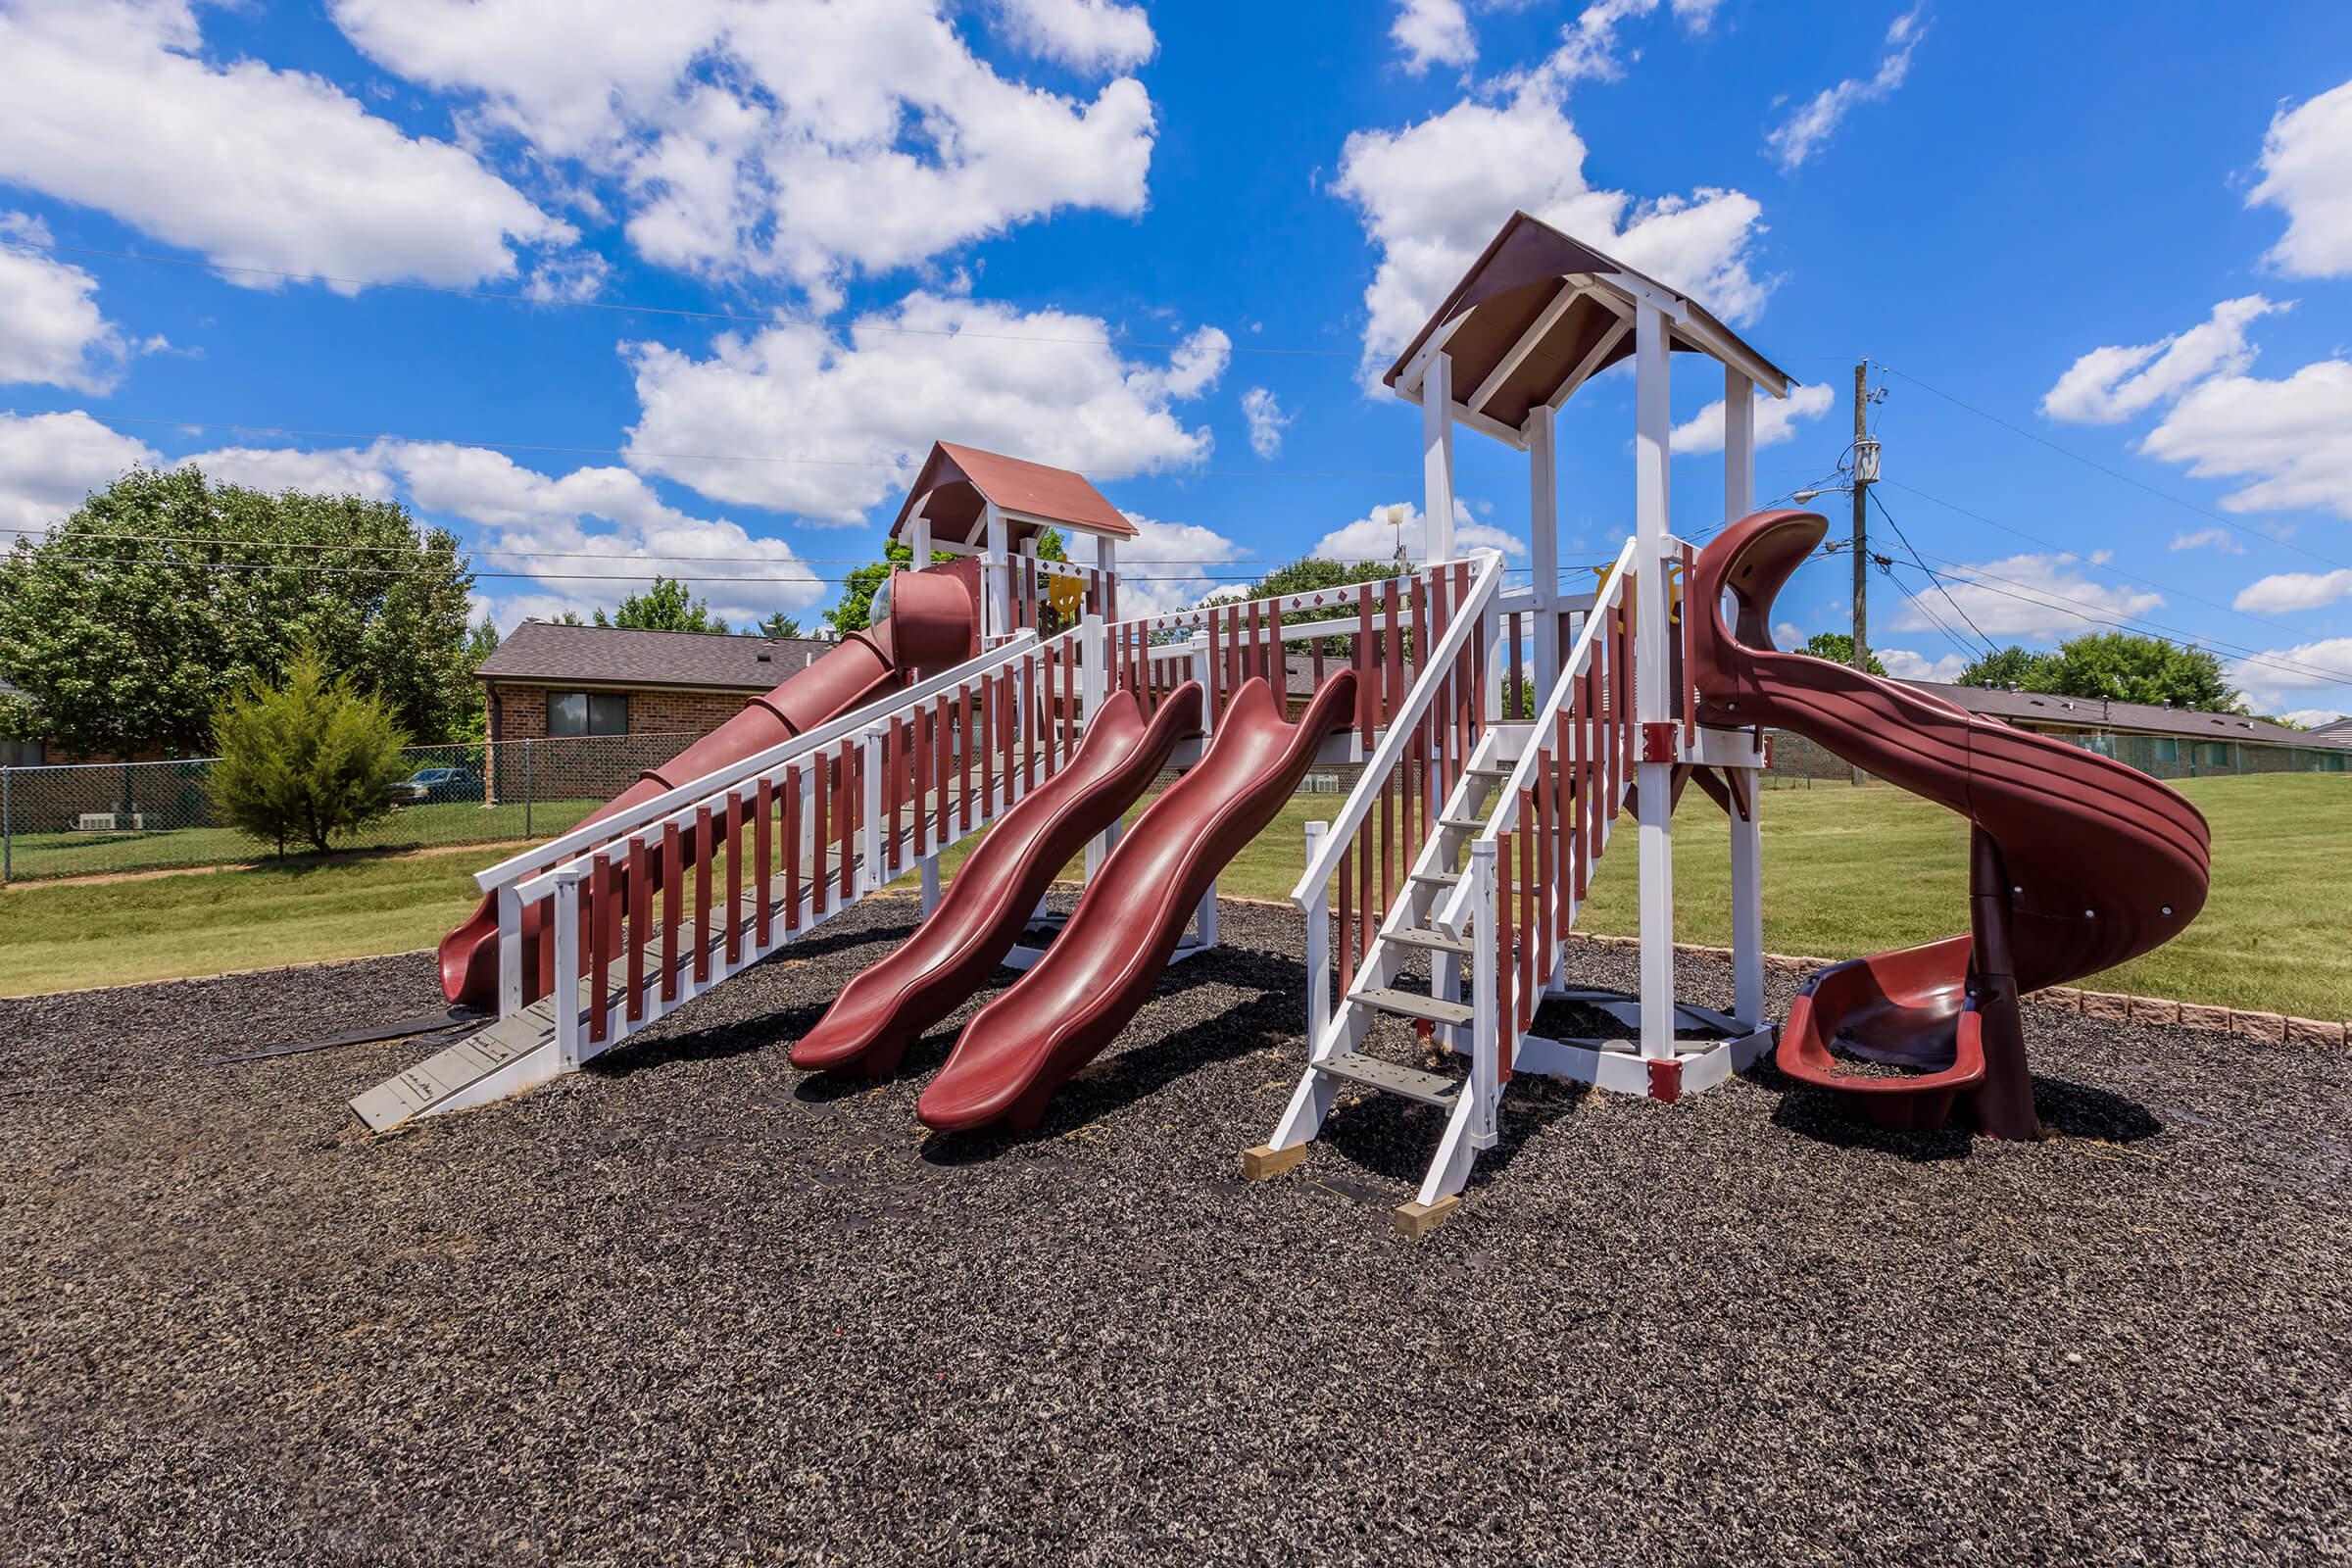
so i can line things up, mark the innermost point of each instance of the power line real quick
(623, 308)
(2100, 614)
(1957, 608)
(2112, 473)
(290, 433)
(2093, 563)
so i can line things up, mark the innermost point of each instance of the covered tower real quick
(967, 502)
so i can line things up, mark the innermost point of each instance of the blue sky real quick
(773, 249)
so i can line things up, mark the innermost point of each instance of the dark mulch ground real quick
(692, 1308)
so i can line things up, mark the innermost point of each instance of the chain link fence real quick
(1799, 764)
(103, 818)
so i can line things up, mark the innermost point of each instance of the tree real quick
(667, 605)
(1310, 574)
(306, 760)
(2125, 667)
(480, 643)
(1837, 648)
(164, 593)
(2010, 666)
(782, 628)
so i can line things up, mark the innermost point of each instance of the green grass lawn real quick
(1845, 873)
(37, 855)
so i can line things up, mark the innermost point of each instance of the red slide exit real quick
(886, 1007)
(2076, 863)
(926, 621)
(1109, 959)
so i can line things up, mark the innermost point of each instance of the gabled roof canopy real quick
(1540, 314)
(957, 483)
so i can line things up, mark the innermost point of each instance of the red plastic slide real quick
(924, 621)
(2076, 863)
(886, 1007)
(1109, 959)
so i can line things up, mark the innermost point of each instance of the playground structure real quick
(1503, 735)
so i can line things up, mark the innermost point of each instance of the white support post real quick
(1738, 445)
(1653, 422)
(510, 950)
(1094, 660)
(1487, 1026)
(1544, 539)
(920, 543)
(878, 833)
(1437, 455)
(564, 991)
(1107, 562)
(1204, 918)
(930, 885)
(996, 571)
(1318, 947)
(1747, 842)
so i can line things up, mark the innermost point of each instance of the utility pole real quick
(1866, 474)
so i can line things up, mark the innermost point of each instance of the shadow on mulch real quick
(2068, 1109)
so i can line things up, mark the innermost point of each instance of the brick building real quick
(610, 701)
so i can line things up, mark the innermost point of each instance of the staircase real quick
(1493, 884)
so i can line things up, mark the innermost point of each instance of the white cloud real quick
(2292, 436)
(109, 104)
(51, 330)
(1587, 47)
(1904, 665)
(50, 461)
(1433, 33)
(2032, 596)
(799, 139)
(1775, 422)
(1267, 420)
(1373, 537)
(2269, 677)
(1802, 134)
(1430, 195)
(2221, 539)
(2307, 171)
(1166, 565)
(1087, 35)
(862, 410)
(2311, 717)
(2111, 384)
(326, 471)
(2294, 590)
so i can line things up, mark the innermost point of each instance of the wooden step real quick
(1462, 824)
(1436, 879)
(1414, 935)
(1407, 1004)
(1390, 1077)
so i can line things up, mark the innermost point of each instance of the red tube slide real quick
(1109, 959)
(922, 620)
(2077, 863)
(885, 1009)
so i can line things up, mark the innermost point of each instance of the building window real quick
(19, 754)
(2168, 750)
(587, 712)
(2216, 753)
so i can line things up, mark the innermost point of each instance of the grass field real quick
(1845, 873)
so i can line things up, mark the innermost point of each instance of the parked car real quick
(429, 785)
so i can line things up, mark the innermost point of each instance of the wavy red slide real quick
(923, 620)
(1109, 957)
(2076, 863)
(886, 1007)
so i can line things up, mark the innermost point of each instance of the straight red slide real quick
(885, 1009)
(1109, 959)
(2076, 863)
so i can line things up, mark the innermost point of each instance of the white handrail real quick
(1453, 914)
(1197, 618)
(1435, 671)
(534, 861)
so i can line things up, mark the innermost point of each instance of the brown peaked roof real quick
(2095, 712)
(543, 653)
(1509, 289)
(957, 481)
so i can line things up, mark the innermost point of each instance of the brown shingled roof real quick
(2092, 712)
(958, 479)
(542, 652)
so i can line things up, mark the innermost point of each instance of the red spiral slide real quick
(2076, 863)
(1109, 959)
(886, 1007)
(922, 620)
